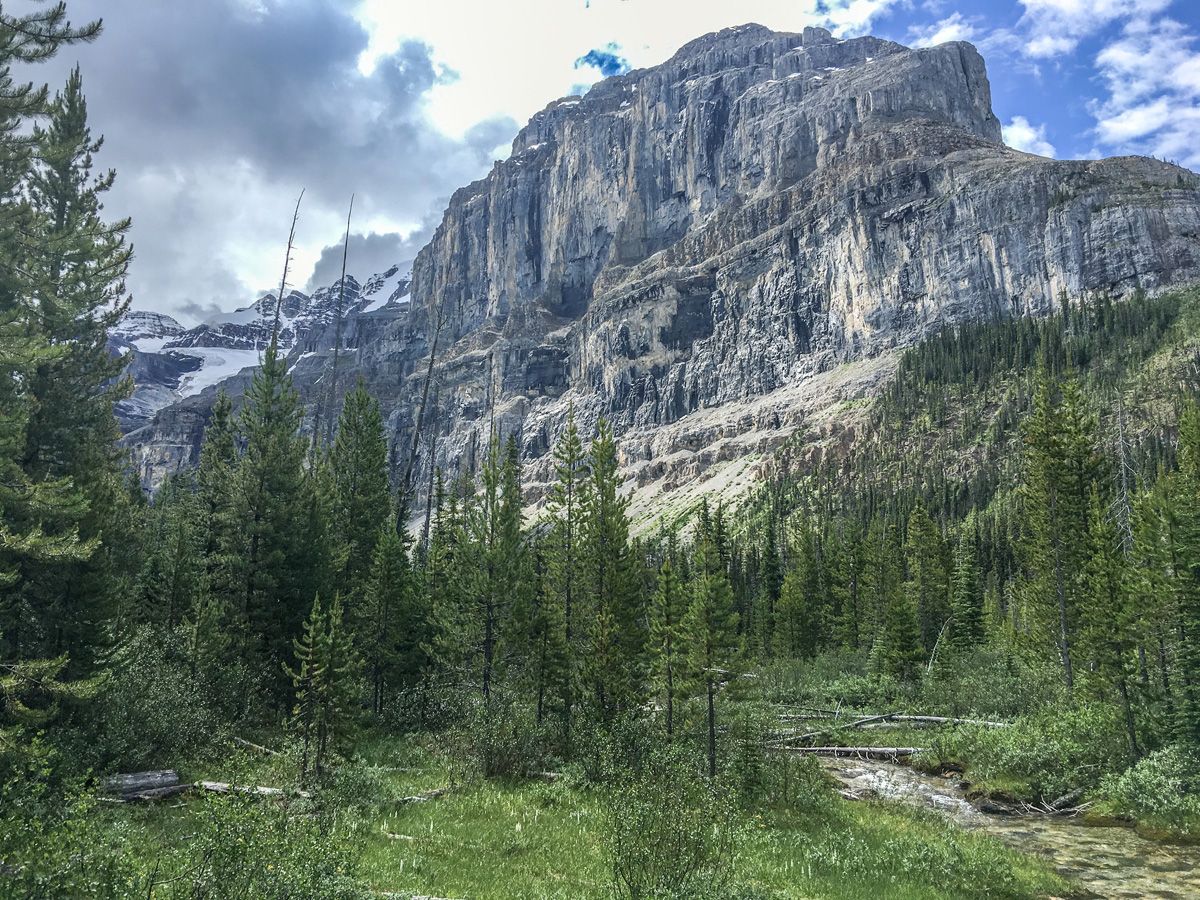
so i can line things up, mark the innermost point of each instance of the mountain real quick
(727, 251)
(169, 362)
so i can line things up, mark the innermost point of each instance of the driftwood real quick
(883, 753)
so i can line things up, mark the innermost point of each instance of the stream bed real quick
(1108, 861)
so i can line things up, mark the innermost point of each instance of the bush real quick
(153, 710)
(669, 831)
(790, 781)
(248, 848)
(1162, 790)
(1050, 754)
(503, 740)
(988, 684)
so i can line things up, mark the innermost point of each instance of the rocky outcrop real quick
(698, 250)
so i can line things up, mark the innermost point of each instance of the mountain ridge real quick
(689, 249)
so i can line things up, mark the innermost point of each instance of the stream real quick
(1108, 861)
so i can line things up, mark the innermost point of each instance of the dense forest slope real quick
(694, 250)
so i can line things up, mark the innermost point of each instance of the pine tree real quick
(307, 681)
(75, 264)
(1108, 633)
(272, 569)
(966, 601)
(667, 609)
(1185, 508)
(361, 495)
(926, 583)
(339, 682)
(617, 639)
(900, 636)
(710, 629)
(564, 544)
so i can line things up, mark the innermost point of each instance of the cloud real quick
(607, 61)
(1020, 134)
(952, 28)
(1152, 74)
(1055, 27)
(216, 114)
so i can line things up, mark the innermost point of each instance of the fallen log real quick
(139, 782)
(883, 753)
(221, 787)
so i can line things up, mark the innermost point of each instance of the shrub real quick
(760, 778)
(1163, 790)
(152, 709)
(669, 832)
(990, 684)
(248, 848)
(1051, 753)
(503, 739)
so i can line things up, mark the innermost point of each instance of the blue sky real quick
(217, 113)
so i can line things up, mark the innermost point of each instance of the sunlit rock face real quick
(694, 250)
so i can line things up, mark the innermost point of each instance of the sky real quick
(217, 113)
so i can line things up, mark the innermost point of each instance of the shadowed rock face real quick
(690, 250)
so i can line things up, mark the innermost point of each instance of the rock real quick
(727, 250)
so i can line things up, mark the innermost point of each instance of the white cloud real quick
(1152, 74)
(952, 28)
(1055, 27)
(1021, 134)
(511, 59)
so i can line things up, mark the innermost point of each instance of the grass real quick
(539, 839)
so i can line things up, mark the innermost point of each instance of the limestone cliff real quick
(721, 249)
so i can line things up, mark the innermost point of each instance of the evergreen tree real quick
(617, 639)
(564, 544)
(1109, 619)
(361, 495)
(667, 609)
(172, 582)
(1059, 471)
(273, 583)
(710, 629)
(390, 636)
(926, 583)
(966, 601)
(74, 264)
(1186, 521)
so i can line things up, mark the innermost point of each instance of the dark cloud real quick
(607, 59)
(217, 113)
(368, 254)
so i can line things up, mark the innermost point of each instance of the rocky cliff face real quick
(727, 247)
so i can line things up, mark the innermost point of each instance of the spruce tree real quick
(1185, 504)
(668, 647)
(390, 635)
(926, 582)
(273, 588)
(1060, 467)
(564, 545)
(617, 640)
(361, 496)
(1109, 620)
(710, 629)
(966, 600)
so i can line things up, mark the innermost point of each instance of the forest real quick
(325, 701)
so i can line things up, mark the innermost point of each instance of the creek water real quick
(1107, 861)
